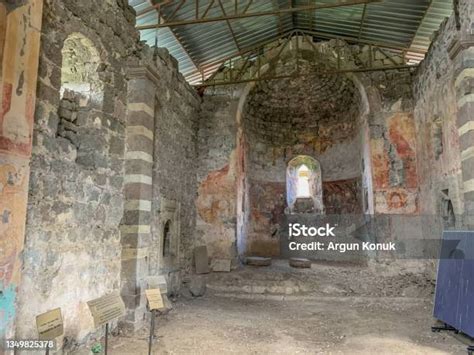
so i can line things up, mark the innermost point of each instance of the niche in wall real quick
(437, 137)
(167, 239)
(447, 210)
(169, 229)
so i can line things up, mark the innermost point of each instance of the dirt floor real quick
(279, 310)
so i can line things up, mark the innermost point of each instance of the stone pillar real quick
(136, 225)
(462, 54)
(20, 25)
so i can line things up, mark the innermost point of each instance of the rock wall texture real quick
(315, 116)
(175, 165)
(393, 144)
(88, 161)
(75, 204)
(217, 173)
(19, 48)
(360, 128)
(439, 161)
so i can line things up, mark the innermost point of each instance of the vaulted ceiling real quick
(202, 34)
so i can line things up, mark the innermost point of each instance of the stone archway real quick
(337, 93)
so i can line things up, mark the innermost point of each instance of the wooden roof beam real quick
(247, 14)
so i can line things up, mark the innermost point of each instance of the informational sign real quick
(155, 301)
(106, 308)
(50, 324)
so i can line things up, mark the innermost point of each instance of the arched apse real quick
(275, 124)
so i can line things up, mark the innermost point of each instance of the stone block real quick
(258, 261)
(300, 263)
(220, 265)
(201, 260)
(197, 286)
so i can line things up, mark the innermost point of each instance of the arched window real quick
(81, 91)
(79, 68)
(302, 184)
(304, 181)
(167, 239)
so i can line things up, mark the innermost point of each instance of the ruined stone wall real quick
(75, 200)
(439, 160)
(20, 24)
(317, 116)
(94, 148)
(359, 127)
(217, 173)
(175, 165)
(393, 143)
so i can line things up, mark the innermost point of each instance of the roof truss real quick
(246, 14)
(246, 68)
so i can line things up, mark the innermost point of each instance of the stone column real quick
(136, 225)
(462, 53)
(20, 25)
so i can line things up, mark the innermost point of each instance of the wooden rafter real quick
(176, 36)
(229, 26)
(280, 20)
(246, 14)
(418, 27)
(362, 21)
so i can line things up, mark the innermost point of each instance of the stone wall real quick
(95, 147)
(393, 143)
(217, 173)
(174, 171)
(439, 161)
(20, 24)
(314, 115)
(359, 127)
(75, 198)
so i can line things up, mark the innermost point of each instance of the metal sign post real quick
(105, 309)
(152, 331)
(155, 303)
(106, 337)
(50, 326)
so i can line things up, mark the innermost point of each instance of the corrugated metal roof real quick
(201, 48)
